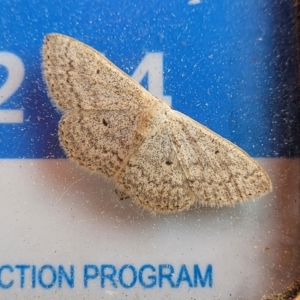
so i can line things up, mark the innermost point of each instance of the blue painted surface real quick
(230, 65)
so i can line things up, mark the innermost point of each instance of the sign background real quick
(230, 65)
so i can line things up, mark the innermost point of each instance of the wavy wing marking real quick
(219, 173)
(153, 176)
(79, 77)
(99, 140)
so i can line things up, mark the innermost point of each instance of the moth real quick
(160, 158)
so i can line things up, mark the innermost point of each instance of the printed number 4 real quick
(16, 71)
(152, 64)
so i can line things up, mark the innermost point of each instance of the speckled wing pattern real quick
(79, 77)
(163, 160)
(219, 173)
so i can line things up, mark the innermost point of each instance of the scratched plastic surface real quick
(231, 66)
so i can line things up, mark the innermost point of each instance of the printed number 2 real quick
(16, 72)
(152, 64)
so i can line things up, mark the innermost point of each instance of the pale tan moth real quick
(161, 159)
